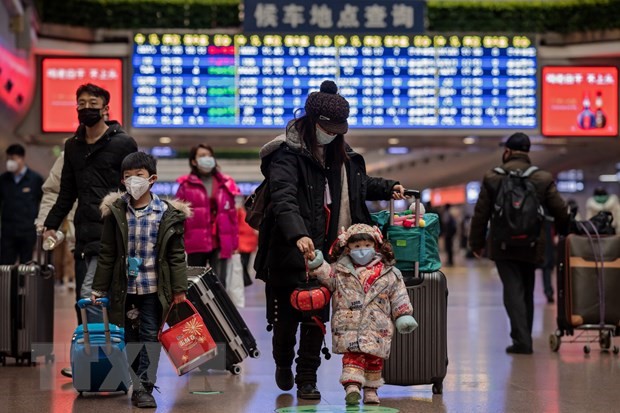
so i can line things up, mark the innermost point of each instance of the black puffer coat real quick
(90, 172)
(297, 184)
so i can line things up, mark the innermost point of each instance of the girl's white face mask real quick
(362, 256)
(137, 186)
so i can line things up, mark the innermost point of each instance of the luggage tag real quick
(133, 266)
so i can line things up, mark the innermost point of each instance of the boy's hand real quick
(179, 298)
(93, 299)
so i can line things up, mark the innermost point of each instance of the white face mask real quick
(137, 186)
(206, 163)
(11, 165)
(323, 137)
(362, 256)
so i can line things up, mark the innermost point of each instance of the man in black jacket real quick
(91, 170)
(20, 196)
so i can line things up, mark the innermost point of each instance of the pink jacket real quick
(208, 229)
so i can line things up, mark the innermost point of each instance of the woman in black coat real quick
(318, 184)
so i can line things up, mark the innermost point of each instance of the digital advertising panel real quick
(579, 101)
(391, 82)
(61, 76)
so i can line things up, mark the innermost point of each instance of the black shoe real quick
(142, 396)
(67, 372)
(550, 299)
(514, 349)
(308, 392)
(284, 378)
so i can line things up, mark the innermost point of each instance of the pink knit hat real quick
(354, 229)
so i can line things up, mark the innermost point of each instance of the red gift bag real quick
(187, 343)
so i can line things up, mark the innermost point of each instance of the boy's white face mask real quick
(137, 186)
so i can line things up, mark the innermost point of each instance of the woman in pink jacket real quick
(212, 233)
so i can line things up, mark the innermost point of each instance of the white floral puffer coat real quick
(363, 322)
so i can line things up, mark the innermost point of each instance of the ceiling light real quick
(393, 141)
(242, 141)
(165, 140)
(470, 140)
(608, 178)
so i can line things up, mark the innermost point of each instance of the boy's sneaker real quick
(371, 396)
(142, 396)
(352, 396)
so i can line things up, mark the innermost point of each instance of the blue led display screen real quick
(394, 82)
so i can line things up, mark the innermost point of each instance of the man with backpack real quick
(513, 197)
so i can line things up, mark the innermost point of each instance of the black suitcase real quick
(26, 312)
(222, 319)
(422, 356)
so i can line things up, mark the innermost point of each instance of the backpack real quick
(257, 205)
(518, 215)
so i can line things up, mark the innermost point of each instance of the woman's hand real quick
(306, 247)
(179, 298)
(398, 191)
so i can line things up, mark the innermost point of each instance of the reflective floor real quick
(481, 376)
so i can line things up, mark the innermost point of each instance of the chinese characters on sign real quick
(362, 16)
(258, 81)
(62, 76)
(579, 101)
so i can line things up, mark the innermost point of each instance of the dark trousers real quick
(245, 263)
(142, 321)
(285, 320)
(19, 245)
(518, 279)
(546, 273)
(201, 259)
(449, 241)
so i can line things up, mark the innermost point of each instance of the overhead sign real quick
(579, 101)
(61, 77)
(348, 17)
(391, 82)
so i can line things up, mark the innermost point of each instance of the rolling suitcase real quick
(98, 357)
(221, 317)
(588, 281)
(422, 356)
(27, 310)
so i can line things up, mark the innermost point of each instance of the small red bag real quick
(187, 343)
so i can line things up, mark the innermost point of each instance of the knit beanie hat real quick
(330, 109)
(373, 231)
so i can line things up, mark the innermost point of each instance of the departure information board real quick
(395, 82)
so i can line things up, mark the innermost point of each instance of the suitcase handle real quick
(411, 193)
(105, 303)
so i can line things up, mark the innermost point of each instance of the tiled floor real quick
(481, 376)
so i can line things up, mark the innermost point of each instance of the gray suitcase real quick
(27, 311)
(422, 356)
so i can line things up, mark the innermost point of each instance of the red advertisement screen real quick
(579, 101)
(62, 76)
(454, 195)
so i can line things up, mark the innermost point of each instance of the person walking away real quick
(20, 196)
(212, 233)
(449, 233)
(515, 243)
(248, 243)
(90, 171)
(369, 298)
(142, 265)
(317, 184)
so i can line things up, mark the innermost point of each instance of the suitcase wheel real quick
(50, 358)
(255, 353)
(554, 342)
(81, 394)
(235, 370)
(438, 388)
(586, 349)
(616, 349)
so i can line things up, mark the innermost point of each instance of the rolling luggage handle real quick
(43, 257)
(104, 302)
(410, 193)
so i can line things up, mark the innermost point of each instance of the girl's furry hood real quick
(112, 197)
